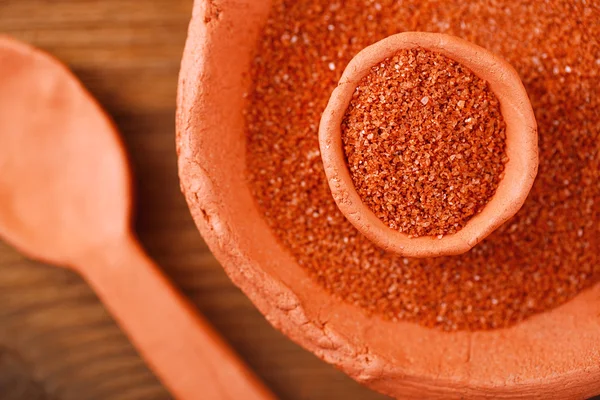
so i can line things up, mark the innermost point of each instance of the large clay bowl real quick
(551, 355)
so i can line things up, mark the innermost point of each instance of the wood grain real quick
(57, 342)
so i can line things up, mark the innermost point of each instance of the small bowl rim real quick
(521, 145)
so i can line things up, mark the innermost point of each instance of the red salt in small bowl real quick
(521, 145)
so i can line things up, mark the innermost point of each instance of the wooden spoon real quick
(521, 145)
(65, 199)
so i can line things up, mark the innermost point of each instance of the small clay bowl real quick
(554, 355)
(521, 145)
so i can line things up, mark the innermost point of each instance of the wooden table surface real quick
(57, 342)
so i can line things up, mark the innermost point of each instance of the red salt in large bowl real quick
(551, 355)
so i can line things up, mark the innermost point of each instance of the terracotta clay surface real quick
(551, 355)
(65, 199)
(521, 145)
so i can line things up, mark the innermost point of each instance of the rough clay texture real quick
(540, 259)
(424, 140)
(537, 357)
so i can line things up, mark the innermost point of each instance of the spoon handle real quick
(185, 352)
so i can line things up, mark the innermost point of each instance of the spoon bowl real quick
(64, 187)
